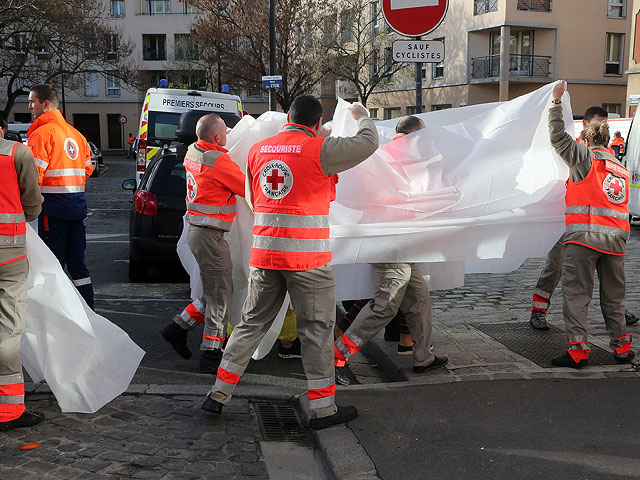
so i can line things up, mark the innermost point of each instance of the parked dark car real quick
(97, 159)
(13, 136)
(155, 223)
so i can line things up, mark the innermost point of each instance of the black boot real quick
(27, 419)
(213, 406)
(210, 360)
(177, 337)
(342, 378)
(343, 415)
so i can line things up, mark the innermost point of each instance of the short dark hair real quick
(305, 110)
(409, 124)
(3, 124)
(44, 91)
(593, 111)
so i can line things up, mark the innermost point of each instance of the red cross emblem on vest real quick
(616, 187)
(276, 179)
(192, 187)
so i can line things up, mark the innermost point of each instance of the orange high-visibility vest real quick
(213, 180)
(13, 227)
(61, 154)
(598, 204)
(619, 142)
(291, 197)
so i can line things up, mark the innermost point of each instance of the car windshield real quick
(169, 177)
(163, 126)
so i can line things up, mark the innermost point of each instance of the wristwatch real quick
(556, 101)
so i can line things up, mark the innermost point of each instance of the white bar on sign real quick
(400, 4)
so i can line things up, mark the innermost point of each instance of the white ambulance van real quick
(160, 114)
(631, 160)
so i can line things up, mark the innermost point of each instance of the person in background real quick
(617, 145)
(597, 229)
(20, 202)
(63, 160)
(130, 142)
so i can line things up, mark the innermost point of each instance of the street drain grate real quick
(536, 345)
(279, 422)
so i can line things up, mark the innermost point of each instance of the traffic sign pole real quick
(418, 84)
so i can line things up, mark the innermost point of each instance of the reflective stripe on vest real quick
(11, 396)
(65, 189)
(65, 172)
(13, 226)
(202, 221)
(210, 209)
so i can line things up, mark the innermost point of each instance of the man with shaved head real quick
(213, 181)
(408, 124)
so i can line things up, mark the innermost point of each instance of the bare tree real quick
(58, 42)
(236, 35)
(357, 49)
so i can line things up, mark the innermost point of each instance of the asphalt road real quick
(534, 429)
(142, 309)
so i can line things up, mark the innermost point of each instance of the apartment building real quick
(160, 33)
(497, 50)
(633, 71)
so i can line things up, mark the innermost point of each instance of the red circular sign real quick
(414, 18)
(122, 119)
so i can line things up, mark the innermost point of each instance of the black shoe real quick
(538, 320)
(343, 415)
(341, 376)
(404, 350)
(213, 406)
(290, 352)
(391, 333)
(630, 318)
(28, 418)
(630, 356)
(177, 337)
(210, 360)
(565, 360)
(437, 363)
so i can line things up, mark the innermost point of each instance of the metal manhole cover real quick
(539, 346)
(279, 422)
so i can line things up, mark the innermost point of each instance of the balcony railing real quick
(535, 5)
(519, 66)
(484, 6)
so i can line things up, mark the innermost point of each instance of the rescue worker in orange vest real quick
(399, 286)
(552, 271)
(63, 159)
(291, 181)
(597, 221)
(20, 201)
(213, 181)
(130, 141)
(617, 145)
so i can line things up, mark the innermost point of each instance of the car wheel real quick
(96, 171)
(137, 270)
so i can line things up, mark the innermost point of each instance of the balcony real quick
(535, 5)
(481, 7)
(519, 66)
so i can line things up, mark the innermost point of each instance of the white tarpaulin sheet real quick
(478, 191)
(86, 360)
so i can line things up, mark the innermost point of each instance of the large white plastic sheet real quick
(85, 359)
(478, 191)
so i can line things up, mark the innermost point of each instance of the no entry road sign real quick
(414, 18)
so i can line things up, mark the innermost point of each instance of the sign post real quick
(122, 120)
(415, 18)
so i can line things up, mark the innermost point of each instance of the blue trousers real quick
(66, 239)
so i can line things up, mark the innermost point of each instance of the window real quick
(374, 67)
(442, 106)
(112, 46)
(388, 64)
(373, 113)
(393, 112)
(438, 68)
(91, 84)
(113, 85)
(613, 54)
(612, 107)
(154, 47)
(484, 6)
(158, 7)
(190, 9)
(375, 25)
(617, 9)
(184, 48)
(411, 110)
(535, 5)
(117, 8)
(19, 43)
(347, 20)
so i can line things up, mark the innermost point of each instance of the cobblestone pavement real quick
(148, 436)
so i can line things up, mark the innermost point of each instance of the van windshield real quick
(162, 125)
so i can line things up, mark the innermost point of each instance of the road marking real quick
(107, 241)
(94, 236)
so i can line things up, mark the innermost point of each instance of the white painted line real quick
(94, 236)
(101, 310)
(107, 241)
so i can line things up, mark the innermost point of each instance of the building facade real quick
(633, 70)
(496, 50)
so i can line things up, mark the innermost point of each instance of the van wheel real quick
(96, 171)
(137, 270)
